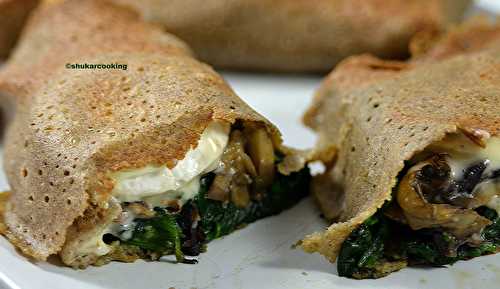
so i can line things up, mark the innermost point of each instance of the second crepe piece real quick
(417, 174)
(291, 35)
(123, 146)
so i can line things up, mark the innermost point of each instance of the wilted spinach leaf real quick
(159, 234)
(367, 246)
(168, 233)
(219, 219)
(364, 248)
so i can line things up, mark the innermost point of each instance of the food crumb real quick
(304, 273)
(422, 281)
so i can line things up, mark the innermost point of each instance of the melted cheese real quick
(463, 153)
(159, 184)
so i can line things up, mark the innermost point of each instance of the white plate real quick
(260, 255)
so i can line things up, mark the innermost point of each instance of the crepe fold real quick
(378, 115)
(287, 35)
(73, 128)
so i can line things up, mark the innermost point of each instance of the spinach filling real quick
(202, 220)
(436, 218)
(160, 234)
(381, 245)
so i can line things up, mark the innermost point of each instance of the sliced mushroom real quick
(239, 194)
(419, 213)
(248, 160)
(219, 190)
(261, 150)
(434, 178)
(470, 191)
(233, 177)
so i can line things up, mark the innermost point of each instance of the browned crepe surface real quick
(297, 35)
(73, 127)
(379, 114)
(13, 14)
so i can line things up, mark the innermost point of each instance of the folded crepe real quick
(13, 14)
(288, 35)
(120, 164)
(416, 177)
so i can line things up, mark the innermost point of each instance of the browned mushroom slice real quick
(247, 163)
(219, 190)
(261, 150)
(234, 176)
(419, 213)
(239, 191)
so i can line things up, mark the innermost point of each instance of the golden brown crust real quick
(73, 127)
(386, 116)
(297, 35)
(13, 14)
